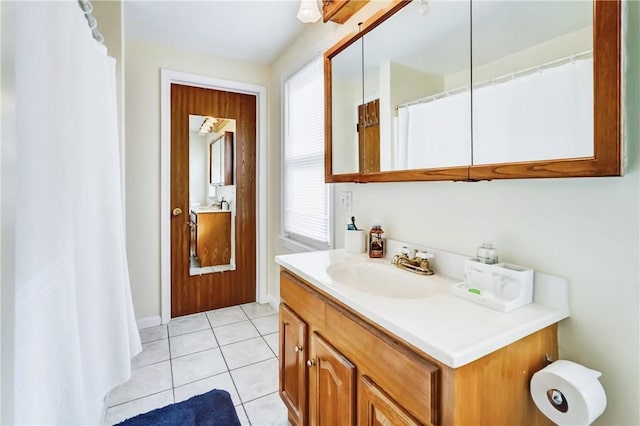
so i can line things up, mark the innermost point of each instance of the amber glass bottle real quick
(376, 242)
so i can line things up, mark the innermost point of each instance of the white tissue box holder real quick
(501, 286)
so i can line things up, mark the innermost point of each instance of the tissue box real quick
(501, 286)
(355, 241)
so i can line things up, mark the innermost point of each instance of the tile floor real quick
(234, 349)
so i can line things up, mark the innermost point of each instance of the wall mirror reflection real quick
(346, 81)
(416, 72)
(399, 97)
(211, 194)
(532, 80)
(477, 89)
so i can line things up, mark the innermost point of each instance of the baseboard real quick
(275, 303)
(148, 322)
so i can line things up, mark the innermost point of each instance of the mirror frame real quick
(607, 81)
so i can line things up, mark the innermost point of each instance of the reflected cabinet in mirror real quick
(476, 90)
(211, 194)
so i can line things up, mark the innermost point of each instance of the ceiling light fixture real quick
(308, 11)
(424, 7)
(207, 125)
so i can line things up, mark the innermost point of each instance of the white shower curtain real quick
(544, 115)
(436, 133)
(75, 327)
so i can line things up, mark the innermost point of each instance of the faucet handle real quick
(405, 250)
(424, 255)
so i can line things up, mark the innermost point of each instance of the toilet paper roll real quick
(355, 241)
(568, 393)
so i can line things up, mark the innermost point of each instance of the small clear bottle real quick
(486, 253)
(376, 242)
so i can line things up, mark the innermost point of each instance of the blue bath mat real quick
(213, 408)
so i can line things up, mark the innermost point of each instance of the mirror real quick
(211, 194)
(419, 64)
(221, 157)
(532, 91)
(532, 80)
(346, 80)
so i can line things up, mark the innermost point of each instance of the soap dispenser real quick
(224, 205)
(376, 242)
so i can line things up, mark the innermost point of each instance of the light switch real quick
(345, 201)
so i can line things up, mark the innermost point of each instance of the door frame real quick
(168, 77)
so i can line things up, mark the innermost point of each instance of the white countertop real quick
(201, 210)
(452, 330)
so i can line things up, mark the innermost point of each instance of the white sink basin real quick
(382, 280)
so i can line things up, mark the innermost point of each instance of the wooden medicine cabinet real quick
(477, 91)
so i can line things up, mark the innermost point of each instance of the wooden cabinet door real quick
(369, 136)
(214, 238)
(332, 389)
(376, 408)
(293, 369)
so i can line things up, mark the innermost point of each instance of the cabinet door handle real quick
(177, 211)
(311, 363)
(298, 348)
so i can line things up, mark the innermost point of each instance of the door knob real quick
(298, 348)
(311, 363)
(177, 211)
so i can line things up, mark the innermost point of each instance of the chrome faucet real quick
(413, 260)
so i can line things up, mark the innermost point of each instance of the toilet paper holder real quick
(568, 393)
(555, 396)
(558, 400)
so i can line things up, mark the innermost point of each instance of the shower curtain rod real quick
(555, 63)
(87, 9)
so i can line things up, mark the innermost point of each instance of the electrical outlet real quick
(345, 201)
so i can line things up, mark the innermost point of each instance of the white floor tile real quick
(197, 366)
(153, 333)
(254, 310)
(273, 342)
(242, 416)
(152, 352)
(144, 381)
(188, 324)
(226, 316)
(220, 381)
(246, 352)
(256, 380)
(268, 410)
(127, 410)
(235, 332)
(267, 325)
(189, 343)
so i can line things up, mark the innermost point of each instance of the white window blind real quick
(306, 196)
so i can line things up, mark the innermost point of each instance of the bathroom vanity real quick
(211, 236)
(403, 352)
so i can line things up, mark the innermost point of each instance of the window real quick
(305, 194)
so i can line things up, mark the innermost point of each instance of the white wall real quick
(143, 62)
(586, 229)
(198, 168)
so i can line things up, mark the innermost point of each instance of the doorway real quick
(184, 293)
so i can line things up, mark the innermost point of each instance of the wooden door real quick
(369, 136)
(376, 408)
(293, 369)
(198, 293)
(332, 387)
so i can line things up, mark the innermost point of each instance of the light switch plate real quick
(345, 201)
